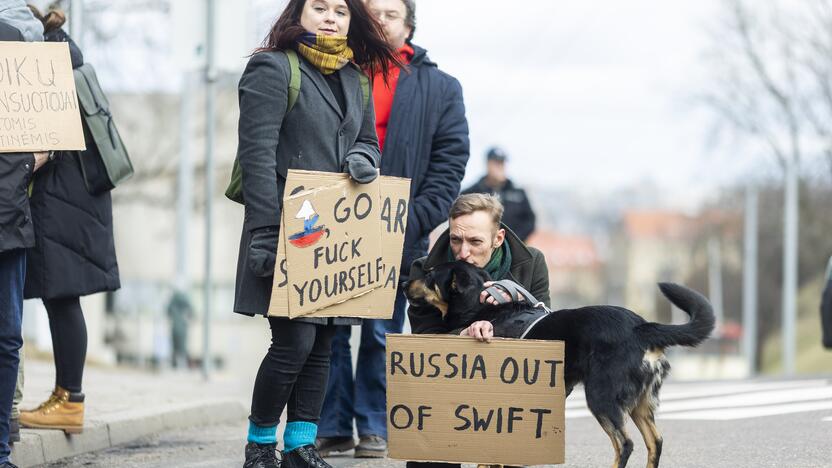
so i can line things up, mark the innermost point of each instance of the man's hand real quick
(487, 298)
(482, 331)
(41, 159)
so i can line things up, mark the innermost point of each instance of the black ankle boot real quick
(304, 457)
(261, 456)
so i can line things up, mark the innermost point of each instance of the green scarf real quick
(326, 53)
(499, 265)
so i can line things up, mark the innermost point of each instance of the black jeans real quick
(69, 341)
(293, 374)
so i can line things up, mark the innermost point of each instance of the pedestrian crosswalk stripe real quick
(829, 419)
(721, 401)
(751, 412)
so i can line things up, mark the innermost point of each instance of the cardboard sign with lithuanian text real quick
(39, 108)
(340, 246)
(454, 399)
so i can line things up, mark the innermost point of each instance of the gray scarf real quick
(15, 13)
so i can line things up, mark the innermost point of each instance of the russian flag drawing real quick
(311, 234)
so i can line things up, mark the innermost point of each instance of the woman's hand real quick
(262, 251)
(482, 331)
(360, 168)
(41, 158)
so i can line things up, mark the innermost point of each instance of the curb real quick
(37, 447)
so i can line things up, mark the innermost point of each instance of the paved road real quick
(756, 424)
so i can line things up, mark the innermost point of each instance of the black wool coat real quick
(315, 135)
(16, 229)
(427, 142)
(74, 253)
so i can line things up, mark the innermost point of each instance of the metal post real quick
(184, 186)
(210, 78)
(76, 18)
(749, 280)
(790, 220)
(715, 279)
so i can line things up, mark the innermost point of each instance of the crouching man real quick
(476, 235)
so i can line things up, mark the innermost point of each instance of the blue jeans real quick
(12, 274)
(365, 398)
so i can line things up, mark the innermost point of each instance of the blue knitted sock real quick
(262, 434)
(298, 434)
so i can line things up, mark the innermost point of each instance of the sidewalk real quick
(123, 405)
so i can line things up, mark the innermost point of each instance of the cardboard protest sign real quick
(389, 216)
(453, 399)
(39, 109)
(333, 244)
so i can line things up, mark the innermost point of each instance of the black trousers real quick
(69, 341)
(293, 374)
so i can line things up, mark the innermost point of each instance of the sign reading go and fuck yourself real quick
(340, 246)
(39, 108)
(454, 399)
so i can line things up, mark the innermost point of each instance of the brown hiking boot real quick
(63, 410)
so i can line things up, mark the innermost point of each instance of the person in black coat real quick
(423, 134)
(74, 255)
(16, 235)
(519, 216)
(330, 128)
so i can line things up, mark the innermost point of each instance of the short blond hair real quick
(473, 202)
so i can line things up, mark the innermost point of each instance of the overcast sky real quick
(587, 93)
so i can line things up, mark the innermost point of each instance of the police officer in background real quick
(518, 215)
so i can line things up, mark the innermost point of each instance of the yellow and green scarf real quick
(327, 53)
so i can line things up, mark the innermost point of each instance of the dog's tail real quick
(699, 328)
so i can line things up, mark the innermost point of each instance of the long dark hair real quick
(366, 36)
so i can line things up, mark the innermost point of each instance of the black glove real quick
(360, 168)
(262, 251)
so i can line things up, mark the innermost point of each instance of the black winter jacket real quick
(518, 215)
(427, 141)
(16, 169)
(75, 251)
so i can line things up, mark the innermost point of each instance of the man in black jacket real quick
(423, 134)
(16, 233)
(519, 215)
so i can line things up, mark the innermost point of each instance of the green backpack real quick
(234, 192)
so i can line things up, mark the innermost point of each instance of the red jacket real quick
(384, 92)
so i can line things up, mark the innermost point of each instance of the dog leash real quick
(515, 291)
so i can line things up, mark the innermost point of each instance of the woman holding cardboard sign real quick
(303, 105)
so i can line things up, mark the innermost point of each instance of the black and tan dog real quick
(617, 355)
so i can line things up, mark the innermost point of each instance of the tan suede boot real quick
(63, 410)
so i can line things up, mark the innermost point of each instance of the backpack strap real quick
(294, 78)
(365, 87)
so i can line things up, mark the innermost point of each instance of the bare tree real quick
(771, 88)
(772, 76)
